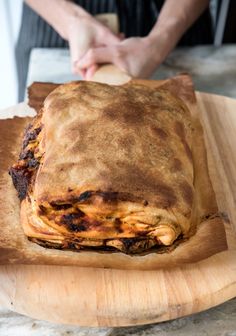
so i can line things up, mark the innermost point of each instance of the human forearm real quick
(174, 19)
(58, 13)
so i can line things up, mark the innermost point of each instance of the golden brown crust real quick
(111, 142)
(128, 148)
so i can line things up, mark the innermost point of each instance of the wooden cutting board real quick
(109, 297)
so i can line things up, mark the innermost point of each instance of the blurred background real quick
(223, 17)
(10, 18)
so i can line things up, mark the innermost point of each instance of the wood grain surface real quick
(102, 297)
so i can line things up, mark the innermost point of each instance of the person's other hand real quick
(83, 33)
(139, 57)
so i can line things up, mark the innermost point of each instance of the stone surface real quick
(213, 70)
(218, 321)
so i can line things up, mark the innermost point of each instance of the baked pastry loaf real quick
(108, 168)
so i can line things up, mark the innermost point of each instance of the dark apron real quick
(136, 18)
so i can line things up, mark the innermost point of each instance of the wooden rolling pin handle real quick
(109, 73)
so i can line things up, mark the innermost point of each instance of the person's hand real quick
(139, 57)
(76, 25)
(84, 33)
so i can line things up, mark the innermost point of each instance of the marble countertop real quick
(218, 321)
(213, 70)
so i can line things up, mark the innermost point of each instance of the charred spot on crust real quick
(57, 206)
(70, 245)
(82, 197)
(72, 216)
(28, 127)
(77, 227)
(137, 245)
(33, 163)
(31, 136)
(21, 179)
(142, 234)
(74, 222)
(26, 155)
(128, 242)
(42, 208)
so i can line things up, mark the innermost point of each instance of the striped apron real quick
(136, 18)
